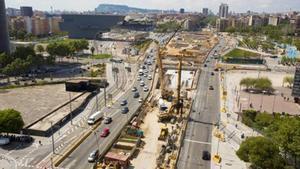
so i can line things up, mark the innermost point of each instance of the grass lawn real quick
(102, 56)
(238, 53)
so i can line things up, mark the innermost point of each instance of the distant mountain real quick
(122, 9)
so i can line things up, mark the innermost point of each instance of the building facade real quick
(26, 11)
(89, 26)
(223, 10)
(222, 25)
(4, 39)
(205, 11)
(273, 20)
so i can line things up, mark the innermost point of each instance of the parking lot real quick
(34, 102)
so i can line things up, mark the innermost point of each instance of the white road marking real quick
(199, 142)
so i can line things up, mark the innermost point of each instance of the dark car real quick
(205, 155)
(93, 156)
(205, 65)
(211, 88)
(123, 102)
(212, 73)
(136, 95)
(125, 110)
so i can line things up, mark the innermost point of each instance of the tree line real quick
(280, 146)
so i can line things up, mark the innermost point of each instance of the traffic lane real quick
(78, 159)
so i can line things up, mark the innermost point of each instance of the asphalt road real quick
(202, 119)
(78, 159)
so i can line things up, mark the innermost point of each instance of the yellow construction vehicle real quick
(163, 133)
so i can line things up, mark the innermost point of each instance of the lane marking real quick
(199, 142)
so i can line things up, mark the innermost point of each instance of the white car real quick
(139, 79)
(146, 89)
(141, 100)
(145, 75)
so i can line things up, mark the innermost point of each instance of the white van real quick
(95, 117)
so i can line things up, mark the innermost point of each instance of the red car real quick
(105, 132)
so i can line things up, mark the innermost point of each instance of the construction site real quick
(153, 137)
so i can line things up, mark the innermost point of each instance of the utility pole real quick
(53, 148)
(70, 97)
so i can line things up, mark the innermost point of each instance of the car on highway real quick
(211, 88)
(105, 132)
(212, 73)
(93, 156)
(146, 71)
(107, 120)
(205, 65)
(145, 75)
(123, 102)
(136, 95)
(146, 89)
(141, 100)
(125, 110)
(134, 89)
(205, 155)
(142, 83)
(149, 77)
(139, 79)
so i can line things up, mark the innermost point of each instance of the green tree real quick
(263, 120)
(289, 80)
(10, 121)
(261, 152)
(5, 60)
(263, 83)
(23, 52)
(286, 133)
(40, 48)
(247, 82)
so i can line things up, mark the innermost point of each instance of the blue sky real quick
(191, 5)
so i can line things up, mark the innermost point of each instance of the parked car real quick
(211, 88)
(205, 155)
(93, 156)
(105, 132)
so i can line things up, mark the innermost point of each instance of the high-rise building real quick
(26, 11)
(222, 24)
(273, 20)
(181, 10)
(205, 11)
(223, 10)
(40, 26)
(54, 24)
(4, 39)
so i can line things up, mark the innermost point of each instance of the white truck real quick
(95, 117)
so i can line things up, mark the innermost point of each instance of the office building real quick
(89, 26)
(181, 10)
(13, 12)
(222, 24)
(26, 11)
(273, 20)
(4, 39)
(255, 21)
(223, 11)
(40, 26)
(54, 24)
(205, 11)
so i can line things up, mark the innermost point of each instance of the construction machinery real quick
(163, 133)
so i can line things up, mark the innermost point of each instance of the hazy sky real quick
(190, 5)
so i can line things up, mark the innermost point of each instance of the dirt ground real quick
(34, 102)
(151, 149)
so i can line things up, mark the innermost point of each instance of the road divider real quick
(58, 159)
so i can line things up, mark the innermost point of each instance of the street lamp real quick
(70, 97)
(53, 148)
(95, 134)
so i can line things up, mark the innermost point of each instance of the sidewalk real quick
(231, 129)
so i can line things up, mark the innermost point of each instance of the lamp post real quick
(53, 148)
(70, 97)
